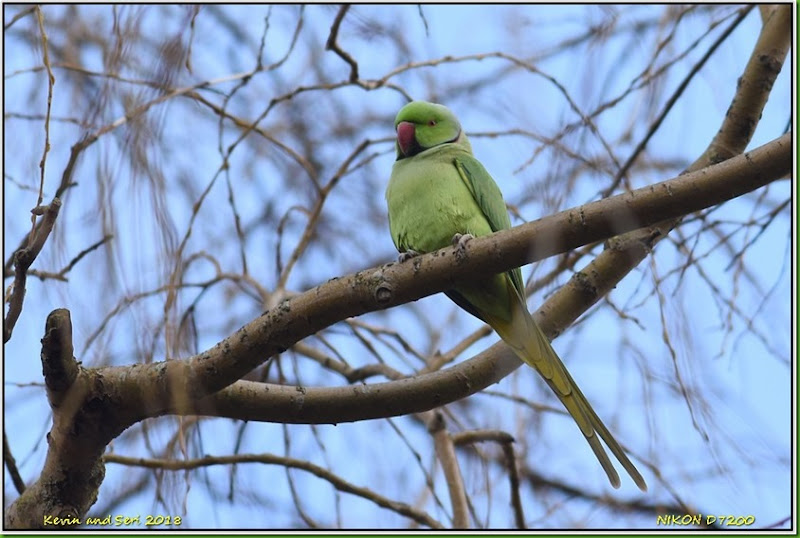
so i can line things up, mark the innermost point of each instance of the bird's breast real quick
(429, 203)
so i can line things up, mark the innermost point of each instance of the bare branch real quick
(270, 459)
(446, 453)
(50, 81)
(334, 46)
(11, 465)
(23, 258)
(19, 15)
(753, 90)
(430, 273)
(303, 148)
(674, 99)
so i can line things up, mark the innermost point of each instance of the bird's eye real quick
(432, 123)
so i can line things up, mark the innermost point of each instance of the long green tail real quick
(532, 347)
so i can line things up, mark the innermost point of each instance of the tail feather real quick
(532, 347)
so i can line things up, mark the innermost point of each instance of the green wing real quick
(490, 200)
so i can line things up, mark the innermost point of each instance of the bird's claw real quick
(461, 239)
(460, 242)
(407, 255)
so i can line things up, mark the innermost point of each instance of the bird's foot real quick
(407, 255)
(460, 242)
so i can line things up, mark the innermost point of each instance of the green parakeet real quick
(439, 191)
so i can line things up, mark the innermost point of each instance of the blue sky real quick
(726, 451)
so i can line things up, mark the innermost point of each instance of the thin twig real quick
(334, 46)
(271, 459)
(672, 100)
(83, 253)
(506, 442)
(513, 483)
(19, 15)
(477, 436)
(314, 214)
(50, 81)
(23, 258)
(11, 465)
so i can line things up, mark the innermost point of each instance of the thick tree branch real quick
(753, 88)
(58, 365)
(83, 424)
(395, 284)
(93, 406)
(100, 403)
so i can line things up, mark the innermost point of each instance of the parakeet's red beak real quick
(406, 139)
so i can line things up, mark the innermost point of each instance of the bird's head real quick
(421, 125)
